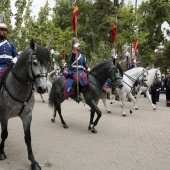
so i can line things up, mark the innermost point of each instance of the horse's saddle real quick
(70, 87)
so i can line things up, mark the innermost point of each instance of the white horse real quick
(154, 75)
(129, 78)
(112, 93)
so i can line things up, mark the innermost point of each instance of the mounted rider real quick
(8, 52)
(108, 83)
(78, 63)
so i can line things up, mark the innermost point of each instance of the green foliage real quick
(95, 22)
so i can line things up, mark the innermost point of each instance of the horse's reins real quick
(132, 79)
(25, 83)
(38, 75)
(102, 80)
(155, 77)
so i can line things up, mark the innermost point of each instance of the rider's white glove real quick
(14, 60)
(88, 69)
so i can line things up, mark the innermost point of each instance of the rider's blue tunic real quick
(107, 84)
(7, 53)
(82, 65)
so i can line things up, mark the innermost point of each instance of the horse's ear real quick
(32, 44)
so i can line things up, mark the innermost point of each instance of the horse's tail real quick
(56, 92)
(51, 98)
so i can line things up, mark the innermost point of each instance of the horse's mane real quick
(97, 67)
(42, 54)
(133, 69)
(120, 69)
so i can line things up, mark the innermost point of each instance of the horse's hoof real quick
(35, 166)
(43, 101)
(93, 130)
(52, 120)
(2, 156)
(136, 109)
(109, 112)
(131, 112)
(154, 108)
(65, 126)
(124, 115)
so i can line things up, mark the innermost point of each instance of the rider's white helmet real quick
(2, 25)
(76, 45)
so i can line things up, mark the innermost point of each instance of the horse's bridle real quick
(134, 80)
(33, 75)
(107, 75)
(25, 83)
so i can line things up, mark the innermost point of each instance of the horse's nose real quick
(121, 86)
(41, 90)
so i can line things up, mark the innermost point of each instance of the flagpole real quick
(77, 75)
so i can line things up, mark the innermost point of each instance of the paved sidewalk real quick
(140, 141)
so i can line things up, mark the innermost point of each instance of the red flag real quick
(75, 16)
(63, 54)
(136, 45)
(114, 30)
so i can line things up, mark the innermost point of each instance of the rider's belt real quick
(6, 56)
(78, 67)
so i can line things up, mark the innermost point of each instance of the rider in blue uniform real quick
(8, 51)
(82, 66)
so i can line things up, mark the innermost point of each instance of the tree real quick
(152, 15)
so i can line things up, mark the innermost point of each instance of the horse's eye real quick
(34, 63)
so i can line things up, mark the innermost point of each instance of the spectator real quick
(167, 86)
(158, 86)
(153, 89)
(132, 64)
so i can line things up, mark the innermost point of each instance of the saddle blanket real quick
(69, 88)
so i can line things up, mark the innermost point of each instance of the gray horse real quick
(97, 77)
(16, 96)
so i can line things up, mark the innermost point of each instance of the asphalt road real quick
(140, 141)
